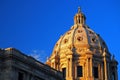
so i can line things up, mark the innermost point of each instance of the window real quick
(113, 76)
(79, 31)
(20, 76)
(93, 40)
(65, 40)
(79, 71)
(64, 72)
(95, 72)
(79, 19)
(79, 38)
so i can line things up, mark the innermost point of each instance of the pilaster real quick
(69, 67)
(105, 68)
(89, 66)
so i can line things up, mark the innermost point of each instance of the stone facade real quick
(81, 54)
(15, 65)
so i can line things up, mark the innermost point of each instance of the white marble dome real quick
(80, 38)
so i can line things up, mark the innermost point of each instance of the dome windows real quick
(56, 45)
(93, 40)
(80, 31)
(65, 40)
(90, 32)
(68, 32)
(79, 38)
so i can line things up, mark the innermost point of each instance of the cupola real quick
(79, 18)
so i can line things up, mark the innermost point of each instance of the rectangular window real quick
(20, 76)
(95, 72)
(64, 72)
(113, 76)
(79, 71)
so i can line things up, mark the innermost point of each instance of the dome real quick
(81, 54)
(80, 38)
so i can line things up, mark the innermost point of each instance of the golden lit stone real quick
(81, 54)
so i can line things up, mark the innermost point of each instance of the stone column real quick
(54, 65)
(99, 72)
(91, 69)
(88, 69)
(102, 71)
(108, 71)
(67, 68)
(116, 74)
(75, 69)
(70, 68)
(105, 68)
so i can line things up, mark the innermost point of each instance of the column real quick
(91, 69)
(105, 68)
(108, 71)
(54, 65)
(69, 68)
(101, 71)
(84, 70)
(88, 69)
(116, 74)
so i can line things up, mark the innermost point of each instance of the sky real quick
(34, 26)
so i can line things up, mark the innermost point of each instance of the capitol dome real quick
(81, 38)
(81, 54)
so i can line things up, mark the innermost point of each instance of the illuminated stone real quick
(82, 47)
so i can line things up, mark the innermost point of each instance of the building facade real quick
(15, 65)
(81, 54)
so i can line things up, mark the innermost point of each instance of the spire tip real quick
(79, 10)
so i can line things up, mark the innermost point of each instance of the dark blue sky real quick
(34, 26)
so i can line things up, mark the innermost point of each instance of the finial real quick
(79, 10)
(47, 58)
(113, 57)
(79, 18)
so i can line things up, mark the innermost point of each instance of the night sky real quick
(34, 26)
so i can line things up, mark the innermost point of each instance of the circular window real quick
(90, 32)
(79, 38)
(65, 40)
(79, 31)
(56, 45)
(93, 40)
(68, 32)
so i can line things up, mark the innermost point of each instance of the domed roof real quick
(81, 38)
